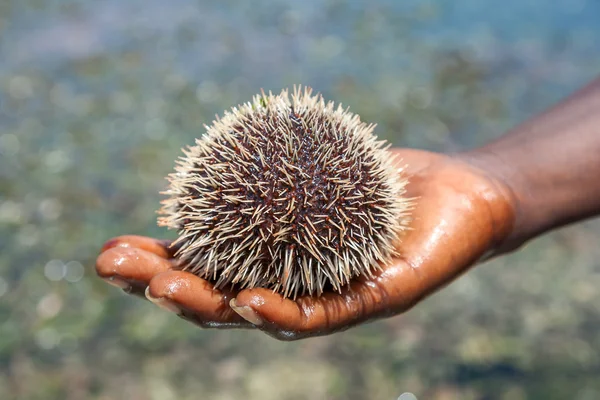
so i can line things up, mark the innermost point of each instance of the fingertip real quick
(265, 305)
(108, 262)
(256, 298)
(157, 246)
(130, 263)
(172, 283)
(162, 302)
(114, 242)
(246, 312)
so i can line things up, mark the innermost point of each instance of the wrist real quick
(507, 179)
(548, 165)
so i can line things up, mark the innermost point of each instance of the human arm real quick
(486, 201)
(551, 164)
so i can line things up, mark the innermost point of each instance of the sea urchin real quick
(286, 192)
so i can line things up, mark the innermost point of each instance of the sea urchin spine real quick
(286, 192)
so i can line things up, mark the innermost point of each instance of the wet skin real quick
(461, 214)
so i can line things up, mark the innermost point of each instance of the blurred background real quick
(96, 101)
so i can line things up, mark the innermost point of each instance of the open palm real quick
(461, 214)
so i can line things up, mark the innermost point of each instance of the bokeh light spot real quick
(49, 306)
(407, 396)
(74, 271)
(55, 270)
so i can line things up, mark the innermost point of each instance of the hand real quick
(462, 213)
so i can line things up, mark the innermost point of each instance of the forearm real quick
(551, 164)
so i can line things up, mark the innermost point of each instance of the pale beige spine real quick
(235, 228)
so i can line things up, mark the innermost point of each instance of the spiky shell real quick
(286, 192)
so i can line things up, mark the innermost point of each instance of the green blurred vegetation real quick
(96, 100)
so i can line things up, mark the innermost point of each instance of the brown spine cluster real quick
(286, 192)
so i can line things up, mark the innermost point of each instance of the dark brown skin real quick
(471, 206)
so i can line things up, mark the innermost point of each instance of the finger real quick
(194, 299)
(130, 268)
(314, 316)
(156, 246)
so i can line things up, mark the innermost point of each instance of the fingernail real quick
(246, 312)
(109, 245)
(117, 282)
(162, 302)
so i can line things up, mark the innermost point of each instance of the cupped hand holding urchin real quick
(289, 202)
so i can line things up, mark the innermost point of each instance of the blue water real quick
(49, 33)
